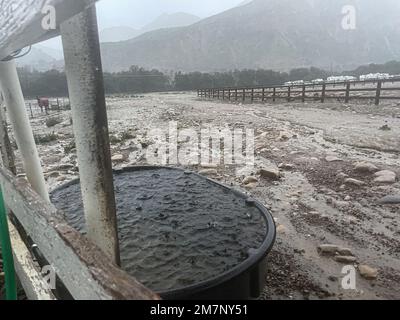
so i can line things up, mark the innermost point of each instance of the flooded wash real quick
(176, 228)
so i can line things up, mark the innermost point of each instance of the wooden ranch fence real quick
(375, 90)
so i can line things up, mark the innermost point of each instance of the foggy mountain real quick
(273, 34)
(44, 58)
(41, 59)
(179, 19)
(117, 34)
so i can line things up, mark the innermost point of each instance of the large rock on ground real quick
(270, 173)
(390, 200)
(368, 272)
(365, 167)
(385, 176)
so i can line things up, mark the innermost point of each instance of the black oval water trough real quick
(244, 280)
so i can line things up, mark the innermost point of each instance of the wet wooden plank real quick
(21, 21)
(27, 270)
(83, 268)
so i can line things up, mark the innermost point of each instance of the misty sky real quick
(137, 13)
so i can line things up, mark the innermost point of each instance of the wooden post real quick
(236, 94)
(30, 109)
(223, 94)
(263, 94)
(15, 103)
(303, 98)
(7, 154)
(288, 98)
(229, 94)
(378, 93)
(323, 94)
(86, 88)
(274, 95)
(218, 94)
(347, 99)
(252, 95)
(244, 95)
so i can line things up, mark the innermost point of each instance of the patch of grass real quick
(126, 135)
(69, 147)
(44, 139)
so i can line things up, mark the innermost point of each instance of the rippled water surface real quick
(175, 228)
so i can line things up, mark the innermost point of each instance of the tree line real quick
(53, 83)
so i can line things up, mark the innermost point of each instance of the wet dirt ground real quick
(319, 198)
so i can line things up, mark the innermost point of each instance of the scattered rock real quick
(270, 173)
(209, 166)
(345, 252)
(368, 272)
(281, 229)
(342, 175)
(53, 174)
(208, 172)
(118, 158)
(390, 200)
(328, 249)
(249, 180)
(332, 159)
(284, 136)
(61, 179)
(286, 166)
(65, 167)
(345, 259)
(354, 182)
(250, 186)
(385, 176)
(366, 167)
(332, 250)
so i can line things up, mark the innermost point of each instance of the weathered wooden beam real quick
(378, 93)
(29, 274)
(347, 98)
(88, 107)
(85, 270)
(21, 21)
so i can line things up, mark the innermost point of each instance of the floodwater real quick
(176, 228)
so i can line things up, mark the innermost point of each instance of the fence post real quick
(88, 106)
(263, 94)
(274, 95)
(303, 98)
(323, 94)
(223, 94)
(236, 94)
(347, 99)
(244, 95)
(288, 98)
(229, 94)
(252, 95)
(378, 93)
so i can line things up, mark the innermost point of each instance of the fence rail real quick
(346, 91)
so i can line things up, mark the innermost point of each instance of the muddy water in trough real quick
(176, 229)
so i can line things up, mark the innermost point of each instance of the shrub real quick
(51, 122)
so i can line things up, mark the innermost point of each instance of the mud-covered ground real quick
(315, 169)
